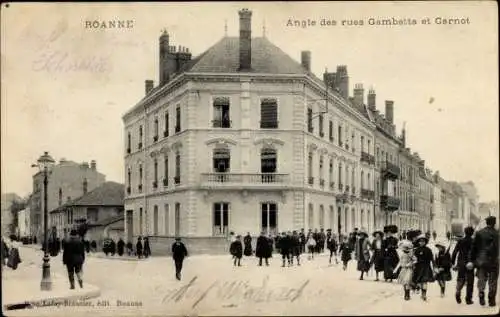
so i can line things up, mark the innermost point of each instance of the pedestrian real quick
(484, 256)
(434, 235)
(285, 245)
(322, 240)
(14, 257)
(302, 237)
(448, 235)
(120, 245)
(311, 246)
(391, 258)
(93, 245)
(461, 254)
(236, 250)
(352, 239)
(345, 252)
(377, 259)
(443, 266)
(247, 240)
(130, 248)
(179, 252)
(112, 247)
(5, 252)
(263, 249)
(331, 244)
(362, 252)
(74, 257)
(423, 273)
(147, 247)
(405, 266)
(138, 247)
(296, 247)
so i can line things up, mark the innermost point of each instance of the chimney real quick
(389, 110)
(245, 39)
(305, 60)
(342, 80)
(359, 94)
(329, 80)
(164, 52)
(149, 85)
(93, 165)
(371, 99)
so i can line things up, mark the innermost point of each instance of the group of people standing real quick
(142, 247)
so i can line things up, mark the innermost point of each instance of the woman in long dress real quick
(362, 253)
(378, 253)
(406, 263)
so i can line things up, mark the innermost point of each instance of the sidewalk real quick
(21, 288)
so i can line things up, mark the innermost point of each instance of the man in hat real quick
(484, 256)
(179, 252)
(461, 254)
(73, 258)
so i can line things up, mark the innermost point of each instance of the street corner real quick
(22, 294)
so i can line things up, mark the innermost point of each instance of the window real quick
(269, 212)
(310, 128)
(340, 175)
(353, 180)
(221, 113)
(92, 215)
(165, 133)
(165, 170)
(140, 137)
(340, 134)
(177, 218)
(362, 218)
(129, 142)
(332, 218)
(60, 196)
(347, 177)
(362, 180)
(155, 173)
(369, 185)
(140, 177)
(330, 130)
(129, 179)
(155, 220)
(368, 150)
(352, 142)
(177, 119)
(140, 221)
(221, 219)
(353, 218)
(321, 180)
(320, 121)
(85, 186)
(221, 160)
(156, 130)
(166, 219)
(362, 143)
(321, 217)
(268, 160)
(268, 113)
(177, 178)
(310, 168)
(330, 171)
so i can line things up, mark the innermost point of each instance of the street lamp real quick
(45, 164)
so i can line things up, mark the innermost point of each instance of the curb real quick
(53, 301)
(116, 258)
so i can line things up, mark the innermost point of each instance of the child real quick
(423, 272)
(345, 253)
(406, 263)
(311, 245)
(443, 266)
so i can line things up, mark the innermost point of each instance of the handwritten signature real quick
(234, 290)
(63, 62)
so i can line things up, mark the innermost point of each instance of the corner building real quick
(243, 138)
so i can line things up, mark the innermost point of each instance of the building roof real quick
(108, 194)
(223, 57)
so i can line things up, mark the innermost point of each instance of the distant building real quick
(487, 209)
(99, 208)
(23, 222)
(67, 181)
(472, 199)
(7, 219)
(426, 198)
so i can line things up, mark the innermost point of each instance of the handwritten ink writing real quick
(63, 62)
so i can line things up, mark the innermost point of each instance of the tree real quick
(15, 208)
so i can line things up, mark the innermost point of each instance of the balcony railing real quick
(311, 180)
(367, 194)
(390, 170)
(322, 182)
(244, 178)
(389, 203)
(367, 158)
(221, 123)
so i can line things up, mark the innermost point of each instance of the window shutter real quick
(269, 113)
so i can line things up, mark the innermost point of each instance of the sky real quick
(443, 78)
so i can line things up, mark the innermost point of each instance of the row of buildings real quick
(244, 138)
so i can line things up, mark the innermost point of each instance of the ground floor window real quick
(269, 217)
(140, 221)
(321, 217)
(177, 218)
(310, 216)
(220, 219)
(166, 219)
(332, 218)
(155, 220)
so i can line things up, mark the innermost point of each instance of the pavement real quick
(212, 286)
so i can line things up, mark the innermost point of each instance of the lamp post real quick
(45, 163)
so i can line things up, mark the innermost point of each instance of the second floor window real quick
(129, 177)
(221, 113)
(177, 119)
(310, 128)
(340, 135)
(320, 121)
(330, 130)
(60, 196)
(221, 159)
(140, 174)
(140, 137)
(155, 171)
(165, 132)
(362, 143)
(165, 171)
(177, 168)
(129, 142)
(321, 167)
(340, 173)
(156, 130)
(268, 113)
(330, 171)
